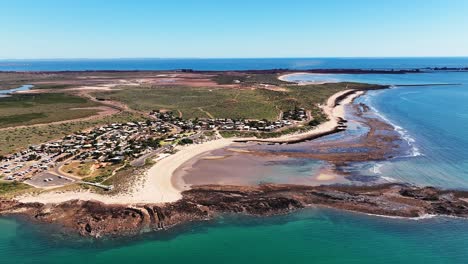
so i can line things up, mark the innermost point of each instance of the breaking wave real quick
(415, 151)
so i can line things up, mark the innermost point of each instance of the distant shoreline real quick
(251, 71)
(285, 77)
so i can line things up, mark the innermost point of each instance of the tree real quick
(185, 141)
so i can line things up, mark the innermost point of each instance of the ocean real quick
(228, 64)
(433, 119)
(308, 236)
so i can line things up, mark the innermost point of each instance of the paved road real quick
(141, 161)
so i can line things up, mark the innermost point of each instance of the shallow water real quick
(232, 168)
(434, 119)
(7, 92)
(308, 236)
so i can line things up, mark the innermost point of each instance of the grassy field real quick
(29, 109)
(86, 171)
(198, 102)
(250, 102)
(20, 138)
(229, 103)
(249, 79)
(78, 168)
(12, 187)
(101, 174)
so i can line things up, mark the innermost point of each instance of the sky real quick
(232, 28)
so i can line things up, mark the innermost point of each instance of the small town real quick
(289, 118)
(108, 148)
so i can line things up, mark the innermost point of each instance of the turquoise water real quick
(434, 119)
(309, 236)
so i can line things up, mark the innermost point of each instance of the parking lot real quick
(47, 179)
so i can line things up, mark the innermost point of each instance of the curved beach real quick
(158, 184)
(156, 187)
(334, 109)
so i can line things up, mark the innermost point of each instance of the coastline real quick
(204, 202)
(334, 109)
(159, 190)
(284, 78)
(157, 186)
(159, 204)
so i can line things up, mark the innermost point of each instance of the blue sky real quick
(232, 28)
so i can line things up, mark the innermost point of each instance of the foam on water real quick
(417, 218)
(376, 168)
(388, 179)
(405, 135)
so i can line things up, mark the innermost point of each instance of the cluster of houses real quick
(115, 143)
(111, 143)
(289, 118)
(25, 163)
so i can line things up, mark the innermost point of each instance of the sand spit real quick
(335, 111)
(285, 78)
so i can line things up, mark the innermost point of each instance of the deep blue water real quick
(229, 64)
(433, 118)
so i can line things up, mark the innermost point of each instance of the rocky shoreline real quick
(96, 219)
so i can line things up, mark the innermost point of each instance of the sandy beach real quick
(157, 186)
(335, 112)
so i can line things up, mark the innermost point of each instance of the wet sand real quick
(308, 163)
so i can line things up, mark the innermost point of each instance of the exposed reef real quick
(96, 219)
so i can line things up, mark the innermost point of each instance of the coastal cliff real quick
(96, 219)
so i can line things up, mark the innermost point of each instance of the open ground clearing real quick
(30, 109)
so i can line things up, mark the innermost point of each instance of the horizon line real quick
(221, 58)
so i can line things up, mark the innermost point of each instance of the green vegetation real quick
(29, 109)
(195, 102)
(249, 79)
(309, 96)
(249, 102)
(12, 187)
(233, 133)
(54, 86)
(124, 177)
(77, 168)
(12, 140)
(86, 171)
(208, 102)
(20, 118)
(185, 141)
(101, 174)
